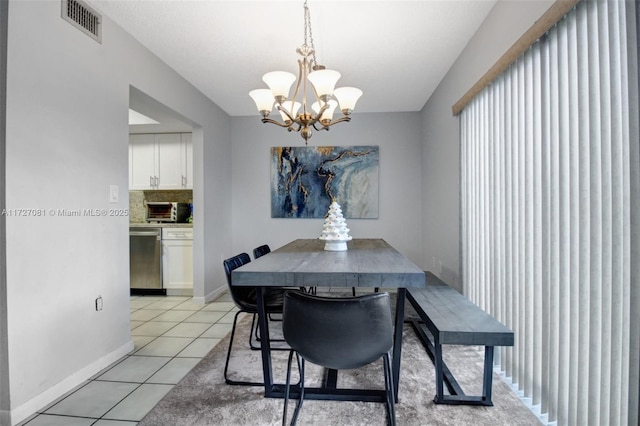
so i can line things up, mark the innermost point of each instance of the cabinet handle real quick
(156, 179)
(151, 181)
(184, 181)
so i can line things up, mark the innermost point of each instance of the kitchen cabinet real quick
(160, 161)
(187, 160)
(142, 168)
(177, 259)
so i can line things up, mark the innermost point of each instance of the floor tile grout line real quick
(175, 356)
(96, 377)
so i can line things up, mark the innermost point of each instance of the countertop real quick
(160, 225)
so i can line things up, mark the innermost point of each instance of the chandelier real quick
(296, 115)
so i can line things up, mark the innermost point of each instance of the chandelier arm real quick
(284, 110)
(301, 77)
(322, 109)
(304, 73)
(277, 123)
(326, 126)
(339, 120)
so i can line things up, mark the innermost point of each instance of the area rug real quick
(203, 399)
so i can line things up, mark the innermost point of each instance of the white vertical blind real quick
(550, 188)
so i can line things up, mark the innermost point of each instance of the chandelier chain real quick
(307, 31)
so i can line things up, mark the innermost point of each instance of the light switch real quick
(113, 193)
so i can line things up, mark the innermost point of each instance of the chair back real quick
(261, 251)
(338, 332)
(243, 297)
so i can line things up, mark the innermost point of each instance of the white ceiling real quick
(396, 51)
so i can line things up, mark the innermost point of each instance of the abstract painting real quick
(304, 181)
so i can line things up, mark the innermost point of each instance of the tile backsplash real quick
(138, 201)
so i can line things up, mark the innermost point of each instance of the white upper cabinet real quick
(142, 162)
(187, 161)
(169, 157)
(160, 161)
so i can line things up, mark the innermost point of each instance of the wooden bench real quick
(452, 319)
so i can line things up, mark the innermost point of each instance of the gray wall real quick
(66, 142)
(5, 406)
(397, 135)
(506, 23)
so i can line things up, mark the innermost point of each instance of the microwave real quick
(162, 212)
(168, 212)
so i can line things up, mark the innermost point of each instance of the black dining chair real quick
(245, 298)
(261, 251)
(338, 333)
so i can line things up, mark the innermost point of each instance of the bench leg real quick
(444, 376)
(457, 396)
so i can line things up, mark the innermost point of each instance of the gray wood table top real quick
(366, 263)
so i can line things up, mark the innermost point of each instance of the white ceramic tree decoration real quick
(335, 232)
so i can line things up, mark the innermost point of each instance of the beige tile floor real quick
(171, 335)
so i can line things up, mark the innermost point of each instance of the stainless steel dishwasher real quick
(145, 260)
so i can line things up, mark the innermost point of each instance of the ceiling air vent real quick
(81, 16)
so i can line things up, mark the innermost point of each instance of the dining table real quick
(367, 263)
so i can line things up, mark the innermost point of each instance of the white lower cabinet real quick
(177, 259)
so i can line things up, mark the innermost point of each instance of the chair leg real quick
(294, 419)
(388, 382)
(287, 388)
(254, 329)
(226, 365)
(254, 332)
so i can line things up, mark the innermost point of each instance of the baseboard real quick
(210, 296)
(30, 407)
(179, 292)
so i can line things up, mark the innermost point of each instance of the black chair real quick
(261, 251)
(246, 301)
(338, 333)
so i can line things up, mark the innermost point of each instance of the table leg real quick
(488, 374)
(330, 379)
(265, 345)
(439, 364)
(397, 339)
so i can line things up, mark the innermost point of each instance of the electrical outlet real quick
(99, 303)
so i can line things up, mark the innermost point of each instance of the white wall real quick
(66, 142)
(399, 220)
(506, 23)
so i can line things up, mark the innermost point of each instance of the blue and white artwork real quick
(305, 179)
